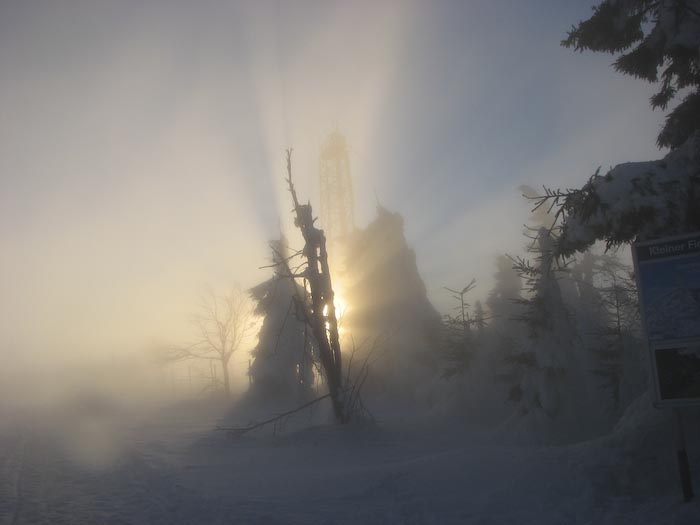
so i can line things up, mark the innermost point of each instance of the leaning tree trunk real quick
(320, 314)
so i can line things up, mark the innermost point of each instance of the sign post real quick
(668, 282)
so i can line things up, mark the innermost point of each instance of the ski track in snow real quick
(326, 475)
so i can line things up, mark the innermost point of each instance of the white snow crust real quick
(172, 468)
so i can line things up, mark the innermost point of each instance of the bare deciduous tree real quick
(222, 324)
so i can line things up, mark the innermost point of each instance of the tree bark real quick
(321, 313)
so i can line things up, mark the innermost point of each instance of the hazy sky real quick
(142, 143)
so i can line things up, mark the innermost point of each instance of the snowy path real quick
(44, 485)
(165, 473)
(423, 476)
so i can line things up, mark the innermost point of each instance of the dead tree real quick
(463, 305)
(458, 344)
(318, 309)
(354, 406)
(222, 325)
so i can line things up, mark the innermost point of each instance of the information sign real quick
(668, 281)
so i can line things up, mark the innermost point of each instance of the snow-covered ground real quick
(100, 465)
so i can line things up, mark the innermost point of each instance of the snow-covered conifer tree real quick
(544, 361)
(503, 298)
(619, 353)
(601, 356)
(658, 41)
(389, 305)
(281, 371)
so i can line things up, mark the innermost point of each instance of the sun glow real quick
(341, 306)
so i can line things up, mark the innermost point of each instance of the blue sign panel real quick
(668, 280)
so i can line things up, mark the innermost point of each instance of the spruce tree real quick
(390, 311)
(479, 320)
(657, 41)
(506, 290)
(543, 362)
(281, 370)
(458, 343)
(618, 355)
(504, 304)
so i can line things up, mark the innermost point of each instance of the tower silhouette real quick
(337, 202)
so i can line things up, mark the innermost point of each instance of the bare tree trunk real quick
(227, 381)
(321, 314)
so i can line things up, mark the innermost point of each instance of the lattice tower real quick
(337, 202)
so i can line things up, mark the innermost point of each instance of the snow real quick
(674, 315)
(634, 199)
(172, 468)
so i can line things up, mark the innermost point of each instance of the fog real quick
(142, 147)
(142, 165)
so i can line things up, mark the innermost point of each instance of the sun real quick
(341, 307)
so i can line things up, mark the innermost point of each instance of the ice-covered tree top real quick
(635, 200)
